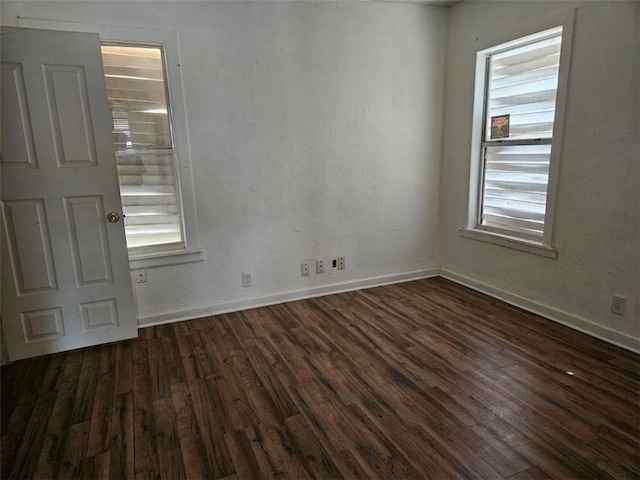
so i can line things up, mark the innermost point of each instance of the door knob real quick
(113, 217)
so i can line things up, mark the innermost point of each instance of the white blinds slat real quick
(148, 201)
(147, 191)
(529, 52)
(534, 64)
(528, 227)
(165, 170)
(146, 210)
(530, 210)
(147, 240)
(147, 178)
(157, 220)
(515, 187)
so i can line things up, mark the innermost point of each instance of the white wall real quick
(597, 216)
(315, 131)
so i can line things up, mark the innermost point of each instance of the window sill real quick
(165, 259)
(510, 242)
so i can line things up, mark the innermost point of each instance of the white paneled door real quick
(65, 269)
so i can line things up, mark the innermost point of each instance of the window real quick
(145, 153)
(518, 107)
(184, 248)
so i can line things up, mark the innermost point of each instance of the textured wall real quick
(597, 212)
(315, 131)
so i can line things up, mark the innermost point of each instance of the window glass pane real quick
(137, 96)
(515, 188)
(144, 151)
(522, 88)
(149, 199)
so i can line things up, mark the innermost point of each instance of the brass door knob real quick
(113, 217)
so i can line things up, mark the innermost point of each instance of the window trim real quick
(168, 39)
(491, 45)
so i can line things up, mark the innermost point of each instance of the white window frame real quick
(135, 251)
(154, 255)
(486, 47)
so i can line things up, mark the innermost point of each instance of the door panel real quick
(99, 314)
(88, 240)
(15, 118)
(65, 268)
(29, 246)
(42, 325)
(70, 117)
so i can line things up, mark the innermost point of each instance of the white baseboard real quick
(570, 320)
(238, 305)
(573, 321)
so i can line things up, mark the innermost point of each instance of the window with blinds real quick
(145, 155)
(519, 109)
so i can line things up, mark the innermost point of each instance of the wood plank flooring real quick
(424, 379)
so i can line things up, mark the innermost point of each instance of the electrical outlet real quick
(306, 269)
(319, 266)
(340, 263)
(139, 276)
(618, 304)
(247, 280)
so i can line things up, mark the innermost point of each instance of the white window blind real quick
(145, 155)
(520, 99)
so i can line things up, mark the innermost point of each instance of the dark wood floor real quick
(424, 379)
